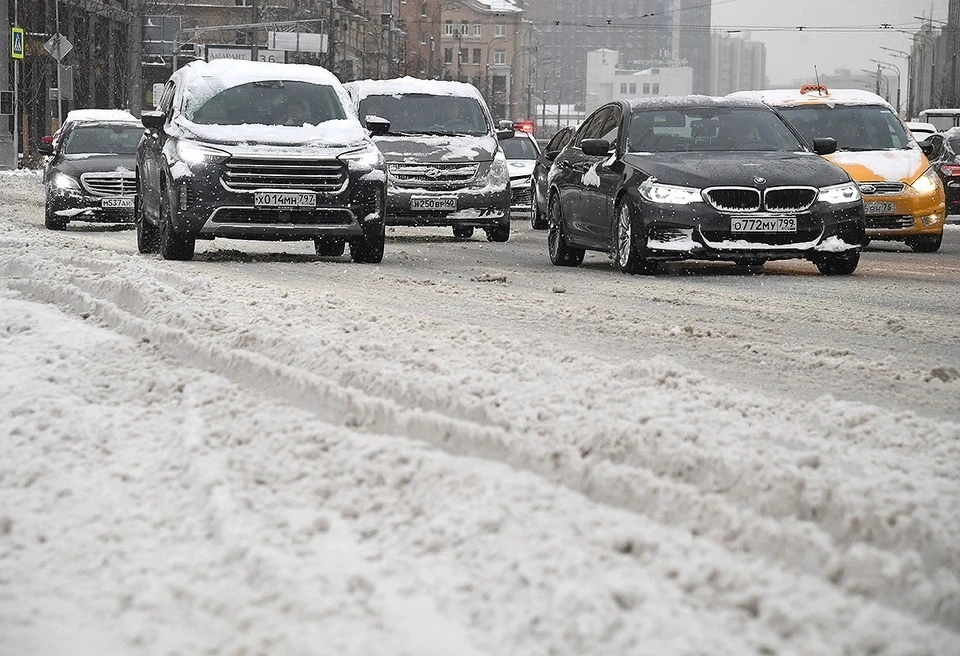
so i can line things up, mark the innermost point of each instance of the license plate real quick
(284, 199)
(121, 203)
(443, 203)
(879, 208)
(764, 224)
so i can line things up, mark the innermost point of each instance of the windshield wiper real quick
(441, 133)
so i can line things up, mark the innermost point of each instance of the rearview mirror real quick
(377, 125)
(153, 120)
(508, 133)
(824, 145)
(927, 147)
(595, 147)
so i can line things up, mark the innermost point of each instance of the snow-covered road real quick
(263, 451)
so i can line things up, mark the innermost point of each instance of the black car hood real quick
(75, 165)
(437, 149)
(742, 169)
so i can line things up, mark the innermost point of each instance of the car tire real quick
(172, 245)
(461, 233)
(148, 237)
(499, 234)
(369, 248)
(838, 265)
(925, 244)
(561, 254)
(51, 221)
(629, 250)
(537, 220)
(329, 247)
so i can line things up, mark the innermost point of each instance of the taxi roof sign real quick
(16, 43)
(810, 88)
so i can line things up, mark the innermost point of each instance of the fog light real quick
(931, 220)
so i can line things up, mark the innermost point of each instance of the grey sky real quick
(792, 55)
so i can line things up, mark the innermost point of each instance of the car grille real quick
(109, 184)
(322, 175)
(256, 216)
(789, 199)
(432, 175)
(521, 196)
(889, 222)
(882, 188)
(734, 199)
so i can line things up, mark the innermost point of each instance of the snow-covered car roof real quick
(668, 102)
(94, 115)
(360, 89)
(917, 125)
(812, 95)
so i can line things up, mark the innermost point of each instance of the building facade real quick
(606, 81)
(737, 64)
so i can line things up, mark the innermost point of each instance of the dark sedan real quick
(90, 176)
(700, 178)
(945, 159)
(541, 170)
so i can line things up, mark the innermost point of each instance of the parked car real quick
(90, 174)
(921, 131)
(903, 197)
(446, 166)
(541, 171)
(700, 178)
(252, 150)
(945, 158)
(521, 152)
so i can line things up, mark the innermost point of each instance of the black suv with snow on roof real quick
(251, 150)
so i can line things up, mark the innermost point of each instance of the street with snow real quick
(464, 450)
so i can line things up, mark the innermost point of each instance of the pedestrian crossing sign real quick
(16, 43)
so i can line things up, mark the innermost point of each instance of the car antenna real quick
(816, 74)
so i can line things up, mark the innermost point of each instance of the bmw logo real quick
(760, 180)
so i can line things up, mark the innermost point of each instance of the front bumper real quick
(207, 208)
(700, 232)
(73, 205)
(484, 207)
(913, 215)
(521, 195)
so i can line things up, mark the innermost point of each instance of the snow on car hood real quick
(334, 133)
(75, 165)
(904, 165)
(738, 169)
(426, 148)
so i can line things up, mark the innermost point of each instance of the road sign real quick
(161, 34)
(58, 46)
(16, 43)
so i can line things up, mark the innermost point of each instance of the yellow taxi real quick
(903, 197)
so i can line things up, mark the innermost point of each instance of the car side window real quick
(611, 126)
(166, 100)
(558, 141)
(592, 126)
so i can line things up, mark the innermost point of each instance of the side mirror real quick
(45, 147)
(824, 145)
(504, 124)
(927, 147)
(377, 125)
(506, 134)
(595, 147)
(153, 120)
(551, 154)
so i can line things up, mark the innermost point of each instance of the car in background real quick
(921, 131)
(541, 172)
(90, 175)
(445, 163)
(253, 150)
(654, 180)
(521, 152)
(945, 159)
(903, 196)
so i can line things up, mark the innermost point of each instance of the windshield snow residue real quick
(268, 102)
(855, 127)
(106, 139)
(709, 129)
(428, 114)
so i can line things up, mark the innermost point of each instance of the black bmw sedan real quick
(700, 178)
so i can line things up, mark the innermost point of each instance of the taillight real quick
(950, 170)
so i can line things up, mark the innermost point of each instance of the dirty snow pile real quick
(302, 457)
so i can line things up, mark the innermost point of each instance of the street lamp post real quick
(892, 67)
(903, 55)
(488, 83)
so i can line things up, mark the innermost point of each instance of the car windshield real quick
(519, 148)
(855, 127)
(709, 129)
(105, 139)
(270, 102)
(428, 114)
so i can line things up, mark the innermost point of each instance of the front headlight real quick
(364, 160)
(191, 152)
(927, 183)
(64, 182)
(499, 174)
(663, 194)
(848, 192)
